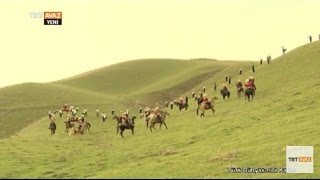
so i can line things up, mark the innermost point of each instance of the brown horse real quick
(183, 105)
(154, 119)
(225, 93)
(205, 106)
(239, 91)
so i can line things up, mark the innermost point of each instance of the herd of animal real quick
(75, 124)
(79, 124)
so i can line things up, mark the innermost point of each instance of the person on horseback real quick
(65, 106)
(52, 124)
(200, 96)
(251, 84)
(225, 89)
(52, 118)
(50, 114)
(81, 118)
(205, 100)
(239, 84)
(171, 105)
(157, 113)
(181, 101)
(104, 116)
(125, 118)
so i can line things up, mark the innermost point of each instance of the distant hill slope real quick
(142, 76)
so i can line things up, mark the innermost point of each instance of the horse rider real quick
(65, 106)
(157, 113)
(52, 118)
(69, 117)
(181, 101)
(71, 107)
(225, 89)
(125, 118)
(81, 119)
(200, 96)
(147, 111)
(239, 84)
(60, 113)
(252, 85)
(205, 99)
(104, 116)
(50, 114)
(53, 123)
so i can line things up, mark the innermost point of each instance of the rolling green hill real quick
(240, 134)
(122, 83)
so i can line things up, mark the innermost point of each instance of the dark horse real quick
(239, 91)
(225, 93)
(183, 106)
(122, 126)
(128, 125)
(53, 127)
(249, 92)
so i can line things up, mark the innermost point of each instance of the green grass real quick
(240, 133)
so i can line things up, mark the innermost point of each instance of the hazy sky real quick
(97, 33)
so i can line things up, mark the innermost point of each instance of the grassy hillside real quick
(23, 104)
(240, 133)
(142, 76)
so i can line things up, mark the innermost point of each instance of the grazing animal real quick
(153, 119)
(249, 92)
(225, 94)
(205, 106)
(52, 127)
